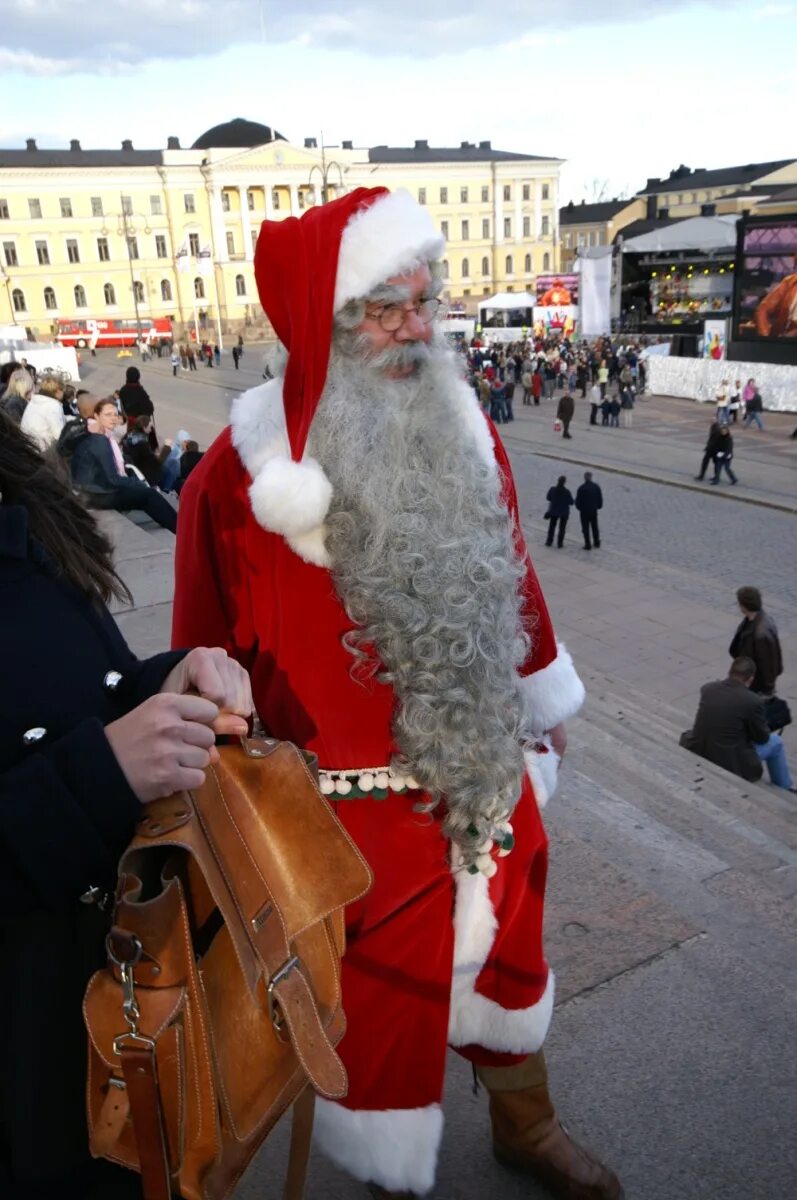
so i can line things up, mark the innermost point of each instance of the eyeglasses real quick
(392, 316)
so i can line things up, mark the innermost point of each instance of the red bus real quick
(90, 331)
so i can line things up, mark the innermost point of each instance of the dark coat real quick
(66, 814)
(730, 718)
(713, 437)
(566, 407)
(758, 639)
(139, 452)
(723, 447)
(135, 401)
(93, 465)
(589, 498)
(559, 502)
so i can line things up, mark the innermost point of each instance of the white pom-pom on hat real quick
(290, 498)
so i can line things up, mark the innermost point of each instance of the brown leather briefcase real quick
(220, 1004)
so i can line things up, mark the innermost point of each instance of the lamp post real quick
(126, 229)
(324, 169)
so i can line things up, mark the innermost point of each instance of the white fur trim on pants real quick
(396, 1148)
(473, 1019)
(554, 693)
(543, 771)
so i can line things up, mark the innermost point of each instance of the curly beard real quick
(425, 564)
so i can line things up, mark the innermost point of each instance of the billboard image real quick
(557, 291)
(550, 320)
(766, 280)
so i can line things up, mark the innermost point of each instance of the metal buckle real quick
(139, 1039)
(277, 978)
(130, 1010)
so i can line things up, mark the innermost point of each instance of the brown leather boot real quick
(528, 1136)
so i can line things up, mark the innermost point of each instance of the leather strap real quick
(111, 1121)
(315, 1052)
(141, 1076)
(301, 1138)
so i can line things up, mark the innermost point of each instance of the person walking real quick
(723, 412)
(589, 501)
(614, 412)
(757, 638)
(236, 355)
(708, 451)
(564, 413)
(723, 455)
(175, 361)
(603, 377)
(217, 355)
(594, 403)
(560, 501)
(627, 405)
(191, 356)
(536, 386)
(754, 406)
(525, 382)
(735, 401)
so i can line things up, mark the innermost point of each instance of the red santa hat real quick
(307, 268)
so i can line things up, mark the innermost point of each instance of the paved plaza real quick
(671, 915)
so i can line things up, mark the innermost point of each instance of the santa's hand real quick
(213, 674)
(558, 737)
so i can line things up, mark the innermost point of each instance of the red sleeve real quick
(551, 684)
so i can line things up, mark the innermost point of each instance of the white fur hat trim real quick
(392, 236)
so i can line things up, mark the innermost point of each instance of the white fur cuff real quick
(543, 771)
(396, 1148)
(554, 693)
(477, 1021)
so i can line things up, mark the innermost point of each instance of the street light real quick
(324, 169)
(126, 228)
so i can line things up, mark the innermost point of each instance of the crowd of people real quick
(108, 445)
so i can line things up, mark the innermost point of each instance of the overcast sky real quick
(622, 89)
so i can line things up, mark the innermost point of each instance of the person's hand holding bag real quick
(213, 674)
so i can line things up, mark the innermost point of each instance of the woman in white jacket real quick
(43, 418)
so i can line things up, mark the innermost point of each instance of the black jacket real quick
(135, 401)
(139, 452)
(730, 719)
(559, 502)
(66, 814)
(589, 498)
(93, 465)
(758, 639)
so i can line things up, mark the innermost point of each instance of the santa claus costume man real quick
(353, 540)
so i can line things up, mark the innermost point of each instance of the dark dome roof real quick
(233, 134)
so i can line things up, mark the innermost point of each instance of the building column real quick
(269, 198)
(293, 188)
(218, 230)
(537, 210)
(246, 223)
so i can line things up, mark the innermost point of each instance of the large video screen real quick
(766, 281)
(556, 291)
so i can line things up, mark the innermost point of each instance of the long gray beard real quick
(425, 565)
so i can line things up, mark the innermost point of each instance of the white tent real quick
(503, 301)
(695, 233)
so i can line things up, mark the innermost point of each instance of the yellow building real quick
(686, 192)
(147, 233)
(585, 225)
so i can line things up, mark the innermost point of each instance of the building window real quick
(444, 195)
(189, 202)
(485, 266)
(3, 210)
(10, 253)
(444, 229)
(103, 253)
(18, 300)
(110, 295)
(156, 206)
(127, 206)
(444, 265)
(568, 241)
(254, 234)
(35, 209)
(225, 201)
(507, 191)
(96, 206)
(546, 226)
(485, 195)
(582, 239)
(527, 264)
(230, 242)
(465, 230)
(72, 250)
(592, 238)
(507, 226)
(199, 288)
(546, 192)
(463, 195)
(546, 261)
(80, 296)
(240, 285)
(466, 291)
(465, 268)
(526, 191)
(132, 246)
(250, 200)
(508, 264)
(485, 227)
(166, 290)
(160, 245)
(138, 291)
(66, 206)
(527, 226)
(193, 244)
(43, 254)
(49, 299)
(300, 197)
(421, 195)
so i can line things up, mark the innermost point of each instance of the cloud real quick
(52, 37)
